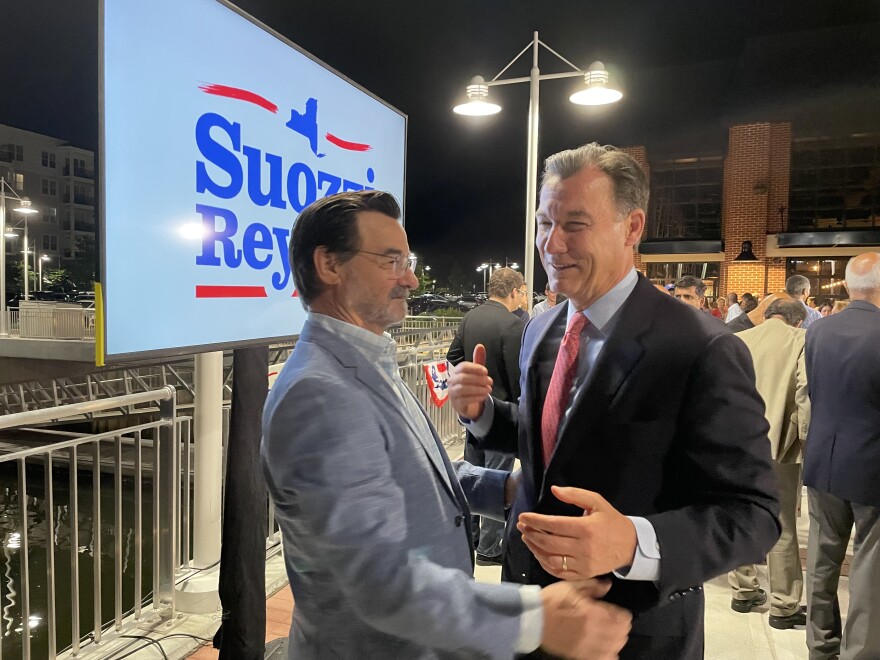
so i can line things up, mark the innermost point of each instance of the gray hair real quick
(631, 189)
(796, 285)
(865, 283)
(689, 281)
(791, 311)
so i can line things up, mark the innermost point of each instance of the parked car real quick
(429, 302)
(469, 302)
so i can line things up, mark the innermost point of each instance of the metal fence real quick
(131, 513)
(420, 341)
(51, 322)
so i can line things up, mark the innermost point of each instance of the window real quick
(50, 187)
(834, 184)
(50, 215)
(19, 181)
(82, 194)
(686, 199)
(84, 221)
(50, 242)
(48, 159)
(826, 276)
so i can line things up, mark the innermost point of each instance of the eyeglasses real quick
(524, 291)
(398, 263)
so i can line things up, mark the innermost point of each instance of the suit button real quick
(458, 521)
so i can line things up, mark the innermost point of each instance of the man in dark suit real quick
(641, 434)
(495, 326)
(842, 468)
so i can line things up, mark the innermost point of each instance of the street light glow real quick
(597, 92)
(25, 207)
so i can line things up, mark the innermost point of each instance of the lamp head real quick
(25, 207)
(746, 253)
(597, 91)
(478, 103)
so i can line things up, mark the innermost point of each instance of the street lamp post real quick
(24, 208)
(42, 259)
(483, 268)
(595, 92)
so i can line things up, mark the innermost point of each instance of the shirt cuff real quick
(531, 621)
(480, 426)
(646, 562)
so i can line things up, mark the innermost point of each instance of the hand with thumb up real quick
(470, 385)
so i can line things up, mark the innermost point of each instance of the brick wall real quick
(641, 156)
(756, 175)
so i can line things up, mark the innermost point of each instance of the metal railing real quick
(51, 323)
(421, 340)
(132, 457)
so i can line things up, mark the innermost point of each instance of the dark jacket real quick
(842, 453)
(669, 426)
(500, 331)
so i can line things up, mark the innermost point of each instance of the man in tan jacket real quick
(777, 348)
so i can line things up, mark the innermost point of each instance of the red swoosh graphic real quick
(240, 94)
(345, 144)
(209, 291)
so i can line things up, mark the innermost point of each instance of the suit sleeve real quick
(511, 346)
(455, 354)
(725, 508)
(802, 397)
(483, 488)
(326, 464)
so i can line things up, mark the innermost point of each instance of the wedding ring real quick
(564, 564)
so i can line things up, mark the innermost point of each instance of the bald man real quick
(842, 468)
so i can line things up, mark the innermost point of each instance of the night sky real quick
(688, 68)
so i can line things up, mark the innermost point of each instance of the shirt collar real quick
(381, 349)
(605, 308)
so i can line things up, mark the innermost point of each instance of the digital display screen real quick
(215, 133)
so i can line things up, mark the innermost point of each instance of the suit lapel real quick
(371, 378)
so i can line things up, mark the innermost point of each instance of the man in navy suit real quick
(642, 437)
(842, 468)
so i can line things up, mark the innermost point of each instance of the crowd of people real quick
(659, 447)
(692, 290)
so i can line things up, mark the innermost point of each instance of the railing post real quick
(208, 419)
(169, 515)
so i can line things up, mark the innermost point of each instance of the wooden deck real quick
(279, 611)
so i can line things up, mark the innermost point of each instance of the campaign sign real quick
(215, 133)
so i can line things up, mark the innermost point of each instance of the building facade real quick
(59, 179)
(805, 203)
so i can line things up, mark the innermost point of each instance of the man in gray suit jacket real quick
(371, 511)
(842, 469)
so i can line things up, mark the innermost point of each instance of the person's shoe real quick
(747, 605)
(799, 618)
(485, 560)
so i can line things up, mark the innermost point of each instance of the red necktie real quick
(560, 384)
